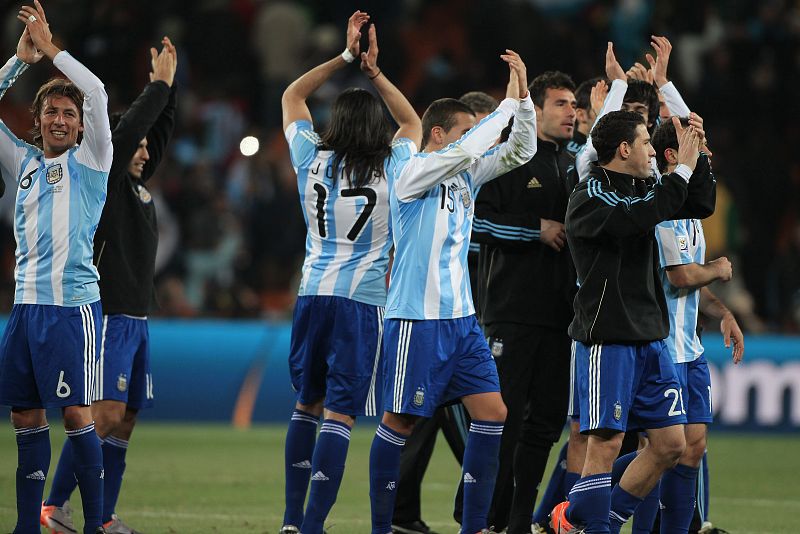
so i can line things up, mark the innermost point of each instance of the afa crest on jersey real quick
(54, 174)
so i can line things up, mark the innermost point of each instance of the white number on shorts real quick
(677, 397)
(63, 390)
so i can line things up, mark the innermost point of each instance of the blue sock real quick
(384, 471)
(88, 460)
(300, 439)
(678, 499)
(620, 465)
(645, 515)
(480, 472)
(64, 481)
(703, 486)
(327, 467)
(554, 493)
(33, 462)
(570, 479)
(590, 503)
(114, 450)
(623, 504)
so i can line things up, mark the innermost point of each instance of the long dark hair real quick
(360, 135)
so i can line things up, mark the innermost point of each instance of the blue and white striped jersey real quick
(679, 243)
(349, 229)
(432, 206)
(59, 200)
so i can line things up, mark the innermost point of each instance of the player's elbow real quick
(680, 278)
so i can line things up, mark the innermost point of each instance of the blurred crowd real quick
(232, 233)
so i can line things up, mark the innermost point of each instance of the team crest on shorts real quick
(497, 348)
(683, 243)
(54, 174)
(419, 397)
(122, 382)
(617, 411)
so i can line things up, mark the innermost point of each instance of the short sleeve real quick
(673, 244)
(303, 142)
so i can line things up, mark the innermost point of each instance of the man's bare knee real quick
(76, 417)
(314, 408)
(486, 407)
(400, 422)
(28, 418)
(668, 447)
(108, 416)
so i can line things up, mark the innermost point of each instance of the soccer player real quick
(589, 97)
(434, 350)
(124, 253)
(684, 276)
(452, 419)
(519, 221)
(49, 349)
(625, 375)
(344, 177)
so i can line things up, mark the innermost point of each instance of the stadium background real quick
(232, 233)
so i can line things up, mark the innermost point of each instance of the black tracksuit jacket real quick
(520, 279)
(610, 229)
(126, 240)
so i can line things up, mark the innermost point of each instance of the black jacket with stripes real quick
(610, 225)
(127, 237)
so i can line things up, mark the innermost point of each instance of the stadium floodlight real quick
(249, 146)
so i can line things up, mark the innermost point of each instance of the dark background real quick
(232, 231)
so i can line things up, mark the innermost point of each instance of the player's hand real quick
(723, 268)
(598, 97)
(26, 51)
(512, 88)
(697, 121)
(369, 59)
(659, 64)
(163, 65)
(639, 72)
(516, 64)
(688, 144)
(731, 332)
(167, 43)
(38, 29)
(552, 234)
(354, 24)
(613, 69)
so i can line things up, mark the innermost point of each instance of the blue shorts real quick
(574, 408)
(625, 387)
(429, 363)
(335, 353)
(695, 380)
(48, 356)
(124, 367)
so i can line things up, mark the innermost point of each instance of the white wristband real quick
(348, 56)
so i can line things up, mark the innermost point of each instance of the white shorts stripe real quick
(571, 406)
(404, 340)
(101, 361)
(86, 373)
(371, 408)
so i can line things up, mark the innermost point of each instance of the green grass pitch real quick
(198, 479)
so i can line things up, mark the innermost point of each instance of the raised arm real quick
(151, 116)
(96, 149)
(410, 126)
(425, 170)
(522, 143)
(613, 102)
(295, 96)
(658, 66)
